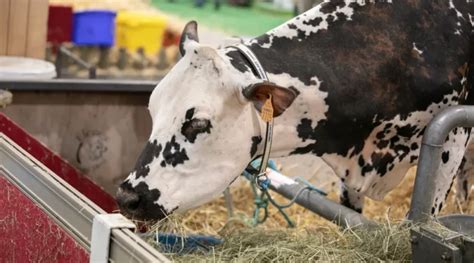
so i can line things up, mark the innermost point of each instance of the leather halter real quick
(255, 63)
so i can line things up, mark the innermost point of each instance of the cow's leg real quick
(465, 176)
(351, 198)
(451, 158)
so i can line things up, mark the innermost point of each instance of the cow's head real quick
(204, 116)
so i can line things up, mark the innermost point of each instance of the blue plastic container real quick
(94, 28)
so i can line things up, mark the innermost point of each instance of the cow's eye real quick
(200, 123)
(191, 128)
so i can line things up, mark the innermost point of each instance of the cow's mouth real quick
(139, 203)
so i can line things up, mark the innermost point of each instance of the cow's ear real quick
(281, 97)
(189, 35)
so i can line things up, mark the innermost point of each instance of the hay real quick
(313, 239)
(389, 242)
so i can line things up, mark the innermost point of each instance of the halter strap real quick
(255, 63)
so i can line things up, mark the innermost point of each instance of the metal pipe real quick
(316, 203)
(79, 85)
(430, 155)
(229, 203)
(64, 51)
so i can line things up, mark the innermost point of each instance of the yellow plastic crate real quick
(138, 29)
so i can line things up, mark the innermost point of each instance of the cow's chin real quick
(146, 217)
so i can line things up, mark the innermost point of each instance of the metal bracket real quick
(101, 228)
(430, 246)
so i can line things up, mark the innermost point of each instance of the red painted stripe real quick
(28, 234)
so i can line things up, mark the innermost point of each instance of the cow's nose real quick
(127, 199)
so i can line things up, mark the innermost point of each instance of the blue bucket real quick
(94, 28)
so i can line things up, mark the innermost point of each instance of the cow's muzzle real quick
(139, 202)
(127, 200)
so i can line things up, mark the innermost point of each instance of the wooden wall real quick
(23, 27)
(101, 134)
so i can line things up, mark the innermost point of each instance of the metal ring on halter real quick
(261, 183)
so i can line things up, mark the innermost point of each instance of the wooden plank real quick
(4, 15)
(18, 22)
(37, 29)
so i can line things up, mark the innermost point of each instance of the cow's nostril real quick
(133, 204)
(127, 200)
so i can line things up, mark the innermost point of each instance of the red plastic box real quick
(59, 24)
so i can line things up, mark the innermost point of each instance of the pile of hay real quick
(388, 242)
(313, 239)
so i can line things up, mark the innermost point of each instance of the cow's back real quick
(385, 70)
(390, 59)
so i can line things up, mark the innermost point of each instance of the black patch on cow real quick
(382, 162)
(330, 7)
(382, 144)
(304, 129)
(256, 140)
(145, 208)
(238, 61)
(192, 127)
(189, 113)
(151, 151)
(367, 67)
(445, 156)
(406, 131)
(173, 154)
(380, 135)
(314, 22)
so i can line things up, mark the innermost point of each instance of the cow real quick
(352, 82)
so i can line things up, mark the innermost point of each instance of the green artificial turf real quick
(235, 20)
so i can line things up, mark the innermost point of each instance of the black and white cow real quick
(355, 83)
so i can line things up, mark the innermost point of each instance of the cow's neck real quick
(288, 64)
(307, 104)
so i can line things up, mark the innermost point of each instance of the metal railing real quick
(63, 51)
(427, 174)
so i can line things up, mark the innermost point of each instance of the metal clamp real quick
(101, 228)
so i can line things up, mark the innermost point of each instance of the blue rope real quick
(263, 199)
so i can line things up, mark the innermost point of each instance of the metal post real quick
(430, 154)
(59, 62)
(228, 203)
(92, 73)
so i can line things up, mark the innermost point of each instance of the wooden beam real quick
(37, 29)
(17, 29)
(4, 16)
